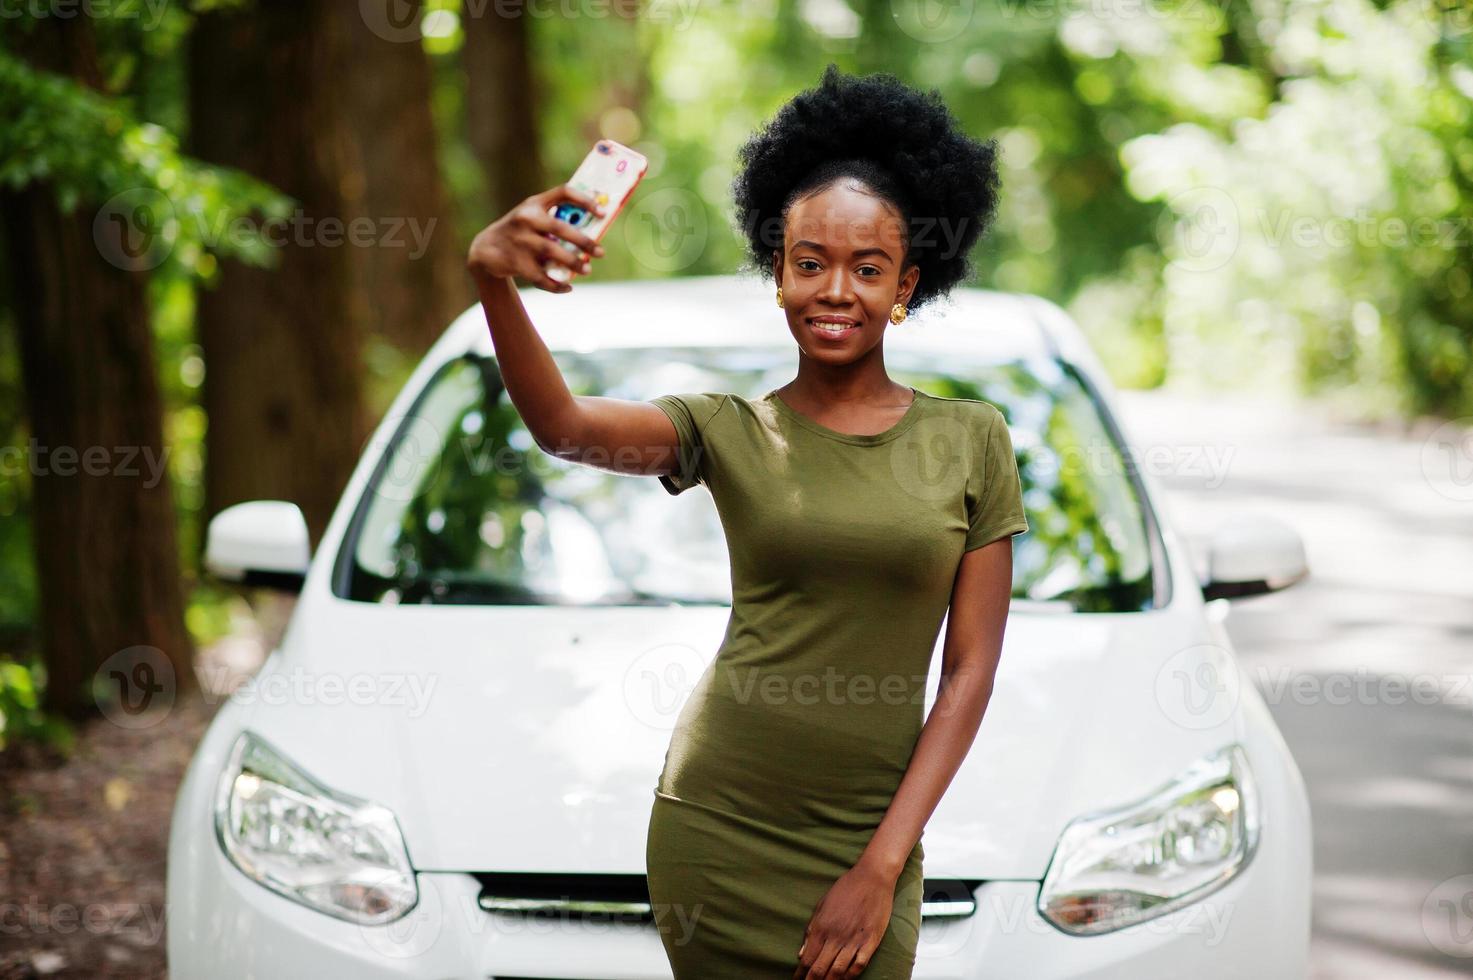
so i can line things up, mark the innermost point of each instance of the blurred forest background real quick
(1240, 193)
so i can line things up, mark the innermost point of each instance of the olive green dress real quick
(791, 745)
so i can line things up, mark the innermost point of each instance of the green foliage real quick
(1315, 177)
(90, 151)
(21, 718)
(1127, 130)
(18, 597)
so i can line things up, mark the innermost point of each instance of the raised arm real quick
(615, 434)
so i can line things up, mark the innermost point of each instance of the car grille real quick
(626, 897)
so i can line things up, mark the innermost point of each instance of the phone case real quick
(610, 173)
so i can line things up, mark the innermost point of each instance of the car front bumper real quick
(233, 928)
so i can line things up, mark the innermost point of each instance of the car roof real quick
(736, 310)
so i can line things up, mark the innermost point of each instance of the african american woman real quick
(785, 831)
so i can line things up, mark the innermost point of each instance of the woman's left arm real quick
(973, 646)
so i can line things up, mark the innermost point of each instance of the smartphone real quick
(610, 173)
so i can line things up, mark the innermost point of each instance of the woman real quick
(784, 837)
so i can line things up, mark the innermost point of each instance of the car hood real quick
(531, 738)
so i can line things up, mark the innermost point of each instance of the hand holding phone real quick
(609, 172)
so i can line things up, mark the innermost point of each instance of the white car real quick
(446, 767)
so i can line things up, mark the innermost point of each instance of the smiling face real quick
(841, 265)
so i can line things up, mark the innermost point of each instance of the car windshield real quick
(465, 508)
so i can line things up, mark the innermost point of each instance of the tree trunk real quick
(102, 509)
(627, 83)
(413, 283)
(282, 346)
(501, 107)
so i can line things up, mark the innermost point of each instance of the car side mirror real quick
(1251, 554)
(260, 542)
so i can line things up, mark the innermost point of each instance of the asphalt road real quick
(1367, 665)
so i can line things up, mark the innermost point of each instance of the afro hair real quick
(903, 144)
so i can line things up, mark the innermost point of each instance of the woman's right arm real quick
(614, 434)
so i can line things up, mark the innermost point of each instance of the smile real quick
(833, 328)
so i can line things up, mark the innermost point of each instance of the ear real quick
(907, 287)
(777, 265)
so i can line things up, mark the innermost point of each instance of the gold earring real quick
(779, 296)
(898, 313)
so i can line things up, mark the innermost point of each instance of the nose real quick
(835, 289)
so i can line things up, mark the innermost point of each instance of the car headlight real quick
(332, 852)
(1114, 868)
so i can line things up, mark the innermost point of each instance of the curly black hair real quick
(904, 145)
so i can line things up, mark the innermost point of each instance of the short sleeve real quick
(995, 504)
(690, 412)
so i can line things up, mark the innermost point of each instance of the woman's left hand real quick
(847, 924)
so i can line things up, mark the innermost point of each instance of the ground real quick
(82, 850)
(83, 840)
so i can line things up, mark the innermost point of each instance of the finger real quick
(801, 970)
(558, 193)
(536, 272)
(861, 960)
(579, 262)
(545, 222)
(544, 281)
(825, 959)
(559, 228)
(548, 251)
(580, 197)
(843, 965)
(576, 265)
(537, 216)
